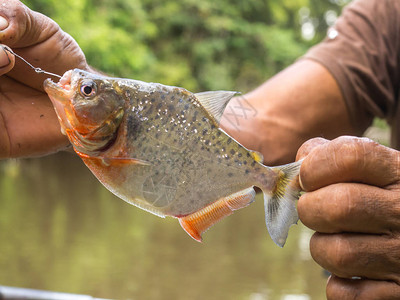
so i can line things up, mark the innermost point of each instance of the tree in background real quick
(200, 45)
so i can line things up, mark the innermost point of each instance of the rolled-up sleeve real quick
(362, 53)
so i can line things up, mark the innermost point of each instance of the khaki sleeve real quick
(362, 53)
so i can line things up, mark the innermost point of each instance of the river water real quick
(61, 230)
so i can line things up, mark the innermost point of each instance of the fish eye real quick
(88, 89)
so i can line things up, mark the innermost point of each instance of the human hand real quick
(352, 202)
(28, 123)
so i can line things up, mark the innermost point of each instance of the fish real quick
(161, 149)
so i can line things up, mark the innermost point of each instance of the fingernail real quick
(301, 184)
(4, 59)
(3, 23)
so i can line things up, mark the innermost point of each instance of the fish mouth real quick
(60, 91)
(60, 94)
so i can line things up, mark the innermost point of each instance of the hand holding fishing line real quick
(352, 187)
(28, 123)
(36, 69)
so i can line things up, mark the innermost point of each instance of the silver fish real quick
(160, 148)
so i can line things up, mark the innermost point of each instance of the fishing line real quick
(37, 70)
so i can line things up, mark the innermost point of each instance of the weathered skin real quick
(154, 146)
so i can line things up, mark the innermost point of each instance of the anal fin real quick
(198, 222)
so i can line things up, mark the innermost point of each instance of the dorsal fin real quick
(215, 102)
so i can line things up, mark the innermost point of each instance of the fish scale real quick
(160, 148)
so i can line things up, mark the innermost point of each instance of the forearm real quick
(299, 103)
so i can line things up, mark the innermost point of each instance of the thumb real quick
(7, 60)
(306, 148)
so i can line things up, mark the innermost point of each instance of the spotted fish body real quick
(160, 148)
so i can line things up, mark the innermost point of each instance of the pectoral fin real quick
(112, 160)
(197, 223)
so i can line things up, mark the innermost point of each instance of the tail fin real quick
(280, 206)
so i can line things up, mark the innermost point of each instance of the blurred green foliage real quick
(201, 45)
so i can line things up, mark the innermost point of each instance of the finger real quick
(357, 255)
(25, 26)
(348, 207)
(28, 125)
(348, 159)
(3, 23)
(346, 289)
(7, 60)
(308, 146)
(40, 41)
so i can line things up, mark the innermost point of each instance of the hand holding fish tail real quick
(28, 123)
(352, 202)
